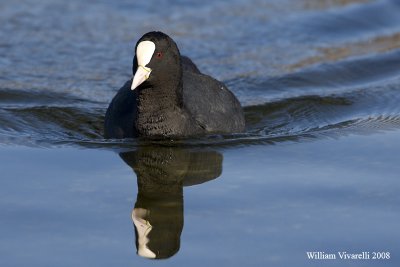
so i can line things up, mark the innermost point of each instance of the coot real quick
(169, 97)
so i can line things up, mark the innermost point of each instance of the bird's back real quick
(211, 105)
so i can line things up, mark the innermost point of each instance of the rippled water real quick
(307, 67)
(323, 71)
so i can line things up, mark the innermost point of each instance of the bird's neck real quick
(157, 108)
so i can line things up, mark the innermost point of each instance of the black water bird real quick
(169, 97)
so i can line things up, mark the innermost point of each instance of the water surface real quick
(316, 170)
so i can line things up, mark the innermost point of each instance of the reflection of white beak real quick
(144, 53)
(143, 228)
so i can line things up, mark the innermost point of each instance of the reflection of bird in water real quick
(161, 174)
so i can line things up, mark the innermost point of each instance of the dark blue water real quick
(317, 169)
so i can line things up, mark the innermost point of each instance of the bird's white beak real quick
(144, 53)
(142, 73)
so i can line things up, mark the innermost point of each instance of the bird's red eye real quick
(159, 55)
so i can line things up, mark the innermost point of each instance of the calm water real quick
(317, 170)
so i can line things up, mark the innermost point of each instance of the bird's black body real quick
(177, 100)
